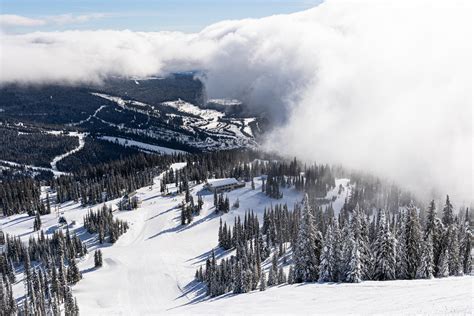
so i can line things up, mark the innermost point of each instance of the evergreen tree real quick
(443, 265)
(425, 266)
(413, 241)
(98, 258)
(73, 273)
(353, 273)
(448, 213)
(454, 261)
(306, 252)
(291, 275)
(37, 222)
(466, 248)
(385, 261)
(263, 282)
(327, 265)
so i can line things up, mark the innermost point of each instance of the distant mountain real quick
(171, 112)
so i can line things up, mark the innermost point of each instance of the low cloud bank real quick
(374, 86)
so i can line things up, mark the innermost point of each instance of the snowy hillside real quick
(150, 269)
(215, 130)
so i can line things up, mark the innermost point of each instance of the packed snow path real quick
(56, 159)
(151, 268)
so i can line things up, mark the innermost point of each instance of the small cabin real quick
(222, 185)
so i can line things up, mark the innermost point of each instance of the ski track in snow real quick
(56, 159)
(36, 168)
(150, 269)
(90, 116)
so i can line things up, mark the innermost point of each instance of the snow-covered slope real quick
(140, 145)
(450, 296)
(204, 129)
(150, 269)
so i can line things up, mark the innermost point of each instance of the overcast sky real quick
(21, 16)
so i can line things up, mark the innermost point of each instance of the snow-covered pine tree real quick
(37, 222)
(430, 227)
(360, 231)
(281, 276)
(425, 266)
(413, 241)
(353, 273)
(454, 260)
(306, 252)
(448, 212)
(465, 252)
(73, 273)
(443, 264)
(385, 263)
(263, 282)
(291, 275)
(98, 258)
(401, 253)
(326, 266)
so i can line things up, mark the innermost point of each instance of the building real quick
(224, 184)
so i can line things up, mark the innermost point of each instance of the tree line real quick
(352, 247)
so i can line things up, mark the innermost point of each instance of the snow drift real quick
(383, 87)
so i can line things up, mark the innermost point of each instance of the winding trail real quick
(56, 159)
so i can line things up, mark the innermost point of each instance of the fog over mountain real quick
(379, 87)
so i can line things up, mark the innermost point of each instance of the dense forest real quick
(32, 147)
(311, 244)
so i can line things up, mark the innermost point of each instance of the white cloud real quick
(12, 20)
(375, 86)
(74, 19)
(9, 20)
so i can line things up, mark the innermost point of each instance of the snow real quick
(90, 116)
(403, 297)
(15, 164)
(56, 159)
(339, 199)
(225, 101)
(186, 107)
(150, 269)
(221, 182)
(144, 146)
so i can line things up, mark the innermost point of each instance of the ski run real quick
(151, 268)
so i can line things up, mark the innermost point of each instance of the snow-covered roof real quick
(221, 182)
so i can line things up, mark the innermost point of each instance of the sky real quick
(23, 16)
(379, 86)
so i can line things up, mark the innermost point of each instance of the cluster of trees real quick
(272, 187)
(49, 266)
(189, 209)
(351, 247)
(20, 196)
(89, 185)
(31, 146)
(221, 203)
(100, 183)
(102, 222)
(98, 258)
